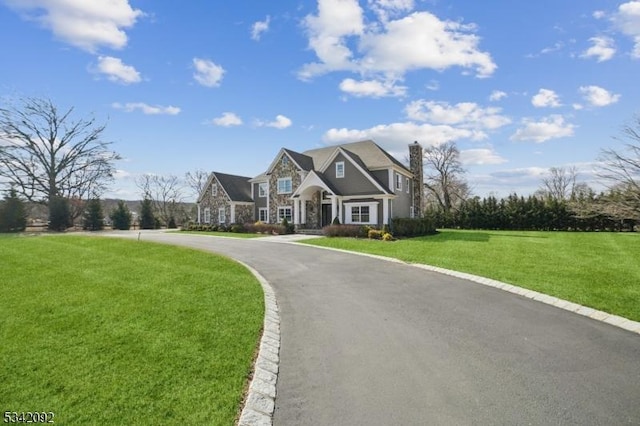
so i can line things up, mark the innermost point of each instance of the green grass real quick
(224, 234)
(600, 270)
(108, 331)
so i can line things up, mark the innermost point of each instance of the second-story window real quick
(398, 182)
(262, 189)
(214, 189)
(285, 186)
(340, 169)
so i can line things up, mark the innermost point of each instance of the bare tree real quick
(165, 193)
(621, 168)
(46, 153)
(560, 184)
(444, 176)
(196, 181)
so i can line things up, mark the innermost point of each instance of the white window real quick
(398, 182)
(214, 189)
(262, 189)
(222, 217)
(285, 213)
(207, 215)
(361, 213)
(263, 214)
(406, 181)
(340, 169)
(284, 185)
(285, 160)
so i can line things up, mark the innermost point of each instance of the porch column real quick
(233, 213)
(385, 211)
(340, 210)
(296, 211)
(334, 208)
(303, 212)
(199, 221)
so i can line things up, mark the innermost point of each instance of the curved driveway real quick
(369, 342)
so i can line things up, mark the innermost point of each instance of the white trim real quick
(233, 213)
(222, 216)
(364, 172)
(266, 190)
(280, 217)
(199, 220)
(407, 182)
(207, 215)
(373, 213)
(312, 179)
(339, 169)
(266, 216)
(284, 180)
(398, 182)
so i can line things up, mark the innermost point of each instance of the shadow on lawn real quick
(474, 236)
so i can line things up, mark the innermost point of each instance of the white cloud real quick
(627, 19)
(546, 98)
(551, 127)
(497, 95)
(260, 27)
(371, 88)
(390, 47)
(598, 14)
(116, 70)
(480, 156)
(602, 49)
(281, 122)
(395, 137)
(87, 25)
(386, 9)
(146, 108)
(207, 73)
(597, 96)
(227, 119)
(464, 114)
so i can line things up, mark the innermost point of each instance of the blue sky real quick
(519, 86)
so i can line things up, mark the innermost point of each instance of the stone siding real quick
(244, 214)
(281, 170)
(214, 203)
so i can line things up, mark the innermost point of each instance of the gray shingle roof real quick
(368, 151)
(237, 188)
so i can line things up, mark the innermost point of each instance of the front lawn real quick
(599, 270)
(109, 331)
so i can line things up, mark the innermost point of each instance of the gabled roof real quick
(315, 178)
(358, 163)
(303, 162)
(238, 188)
(369, 152)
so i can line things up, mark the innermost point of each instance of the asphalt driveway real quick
(369, 342)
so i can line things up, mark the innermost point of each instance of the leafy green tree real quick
(13, 215)
(121, 216)
(93, 219)
(147, 219)
(59, 214)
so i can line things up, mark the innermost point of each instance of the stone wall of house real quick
(282, 170)
(214, 203)
(244, 214)
(313, 211)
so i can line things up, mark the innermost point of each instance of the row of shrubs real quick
(400, 227)
(242, 228)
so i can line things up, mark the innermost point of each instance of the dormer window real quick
(340, 169)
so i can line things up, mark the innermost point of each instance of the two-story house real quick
(357, 183)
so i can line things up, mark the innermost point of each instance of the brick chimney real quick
(415, 165)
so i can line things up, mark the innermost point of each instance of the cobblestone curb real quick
(615, 320)
(261, 397)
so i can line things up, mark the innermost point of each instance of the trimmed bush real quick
(353, 231)
(405, 227)
(387, 237)
(375, 234)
